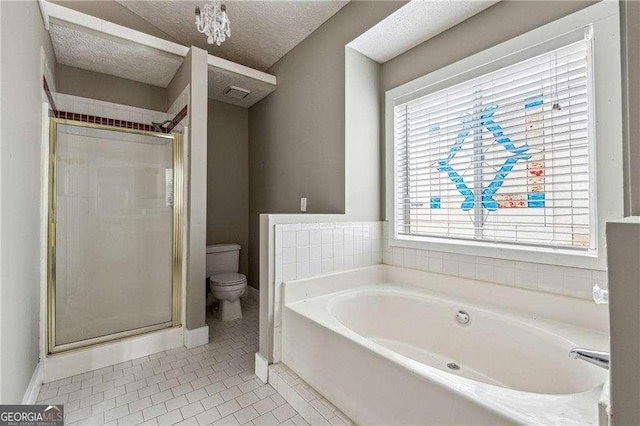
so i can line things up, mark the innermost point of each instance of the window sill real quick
(544, 255)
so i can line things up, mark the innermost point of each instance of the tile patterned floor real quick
(210, 384)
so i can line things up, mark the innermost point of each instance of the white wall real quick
(22, 36)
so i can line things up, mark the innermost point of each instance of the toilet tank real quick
(223, 258)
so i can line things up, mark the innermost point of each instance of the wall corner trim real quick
(196, 337)
(31, 394)
(262, 367)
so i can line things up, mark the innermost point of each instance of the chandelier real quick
(213, 22)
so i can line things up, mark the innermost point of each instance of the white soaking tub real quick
(397, 354)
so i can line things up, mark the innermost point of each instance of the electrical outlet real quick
(303, 204)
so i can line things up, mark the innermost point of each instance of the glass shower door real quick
(114, 252)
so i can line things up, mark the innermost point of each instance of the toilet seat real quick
(227, 279)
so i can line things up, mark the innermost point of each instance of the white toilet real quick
(227, 285)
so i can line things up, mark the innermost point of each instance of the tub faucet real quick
(599, 358)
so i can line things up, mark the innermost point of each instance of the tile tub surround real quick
(308, 249)
(210, 384)
(576, 312)
(567, 281)
(304, 250)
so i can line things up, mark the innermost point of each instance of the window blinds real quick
(504, 157)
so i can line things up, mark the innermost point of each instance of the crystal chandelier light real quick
(213, 22)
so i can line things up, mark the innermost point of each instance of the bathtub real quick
(395, 353)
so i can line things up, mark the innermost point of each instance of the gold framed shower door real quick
(177, 239)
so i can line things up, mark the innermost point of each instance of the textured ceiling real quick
(415, 23)
(112, 11)
(108, 55)
(261, 31)
(219, 80)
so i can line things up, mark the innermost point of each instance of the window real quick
(507, 156)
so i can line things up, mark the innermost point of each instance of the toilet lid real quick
(228, 278)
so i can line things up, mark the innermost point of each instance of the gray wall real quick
(623, 252)
(501, 22)
(630, 30)
(103, 87)
(297, 134)
(623, 239)
(228, 178)
(22, 33)
(179, 81)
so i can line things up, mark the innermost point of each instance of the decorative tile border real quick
(107, 121)
(304, 399)
(86, 118)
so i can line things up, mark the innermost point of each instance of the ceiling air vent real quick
(236, 92)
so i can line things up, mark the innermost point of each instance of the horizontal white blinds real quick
(503, 157)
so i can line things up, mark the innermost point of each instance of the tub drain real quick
(453, 366)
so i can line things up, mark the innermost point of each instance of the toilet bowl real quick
(225, 283)
(227, 287)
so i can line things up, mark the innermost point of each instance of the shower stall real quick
(115, 233)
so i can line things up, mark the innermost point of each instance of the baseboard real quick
(66, 364)
(303, 398)
(196, 337)
(262, 367)
(254, 293)
(31, 395)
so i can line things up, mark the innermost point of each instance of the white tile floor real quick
(211, 384)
